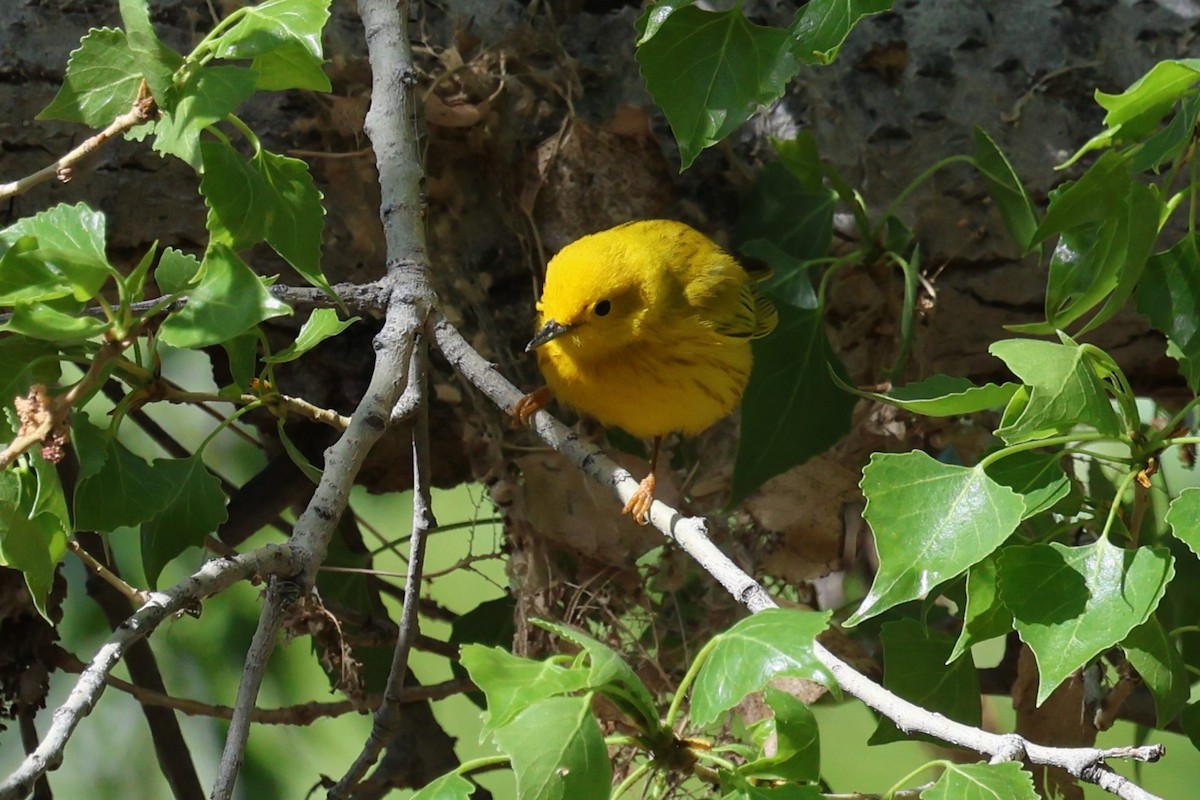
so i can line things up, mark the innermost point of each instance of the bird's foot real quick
(639, 504)
(529, 405)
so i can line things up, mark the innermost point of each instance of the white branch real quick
(691, 534)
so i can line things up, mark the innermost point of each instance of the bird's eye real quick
(602, 308)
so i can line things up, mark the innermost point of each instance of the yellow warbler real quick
(647, 326)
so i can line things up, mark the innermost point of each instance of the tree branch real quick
(280, 593)
(143, 110)
(387, 718)
(691, 534)
(213, 577)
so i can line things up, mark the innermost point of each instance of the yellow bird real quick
(646, 326)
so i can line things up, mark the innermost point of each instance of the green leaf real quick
(322, 324)
(70, 242)
(1169, 295)
(310, 470)
(206, 98)
(1099, 259)
(272, 24)
(1189, 720)
(797, 755)
(792, 409)
(101, 83)
(985, 616)
(290, 66)
(1167, 144)
(125, 491)
(1183, 515)
(1005, 781)
(451, 786)
(269, 198)
(90, 444)
(243, 360)
(156, 61)
(823, 25)
(135, 282)
(710, 70)
(610, 675)
(195, 508)
(931, 522)
(558, 751)
(229, 300)
(746, 657)
(1064, 391)
(176, 271)
(42, 321)
(32, 542)
(1038, 477)
(793, 217)
(25, 278)
(1139, 108)
(19, 359)
(49, 497)
(942, 396)
(1160, 665)
(512, 683)
(1009, 194)
(915, 667)
(1100, 592)
(744, 790)
(1099, 193)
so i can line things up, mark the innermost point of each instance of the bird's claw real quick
(530, 404)
(641, 500)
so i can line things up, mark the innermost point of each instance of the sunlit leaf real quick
(1070, 603)
(931, 522)
(748, 655)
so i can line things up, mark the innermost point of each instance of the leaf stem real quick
(688, 679)
(481, 764)
(1052, 441)
(1116, 505)
(890, 211)
(245, 130)
(633, 777)
(909, 268)
(899, 785)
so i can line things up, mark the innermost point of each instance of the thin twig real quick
(297, 715)
(143, 110)
(280, 593)
(387, 718)
(135, 596)
(691, 534)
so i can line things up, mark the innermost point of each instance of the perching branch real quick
(143, 110)
(691, 534)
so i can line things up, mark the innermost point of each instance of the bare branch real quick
(691, 534)
(143, 110)
(280, 593)
(387, 718)
(215, 576)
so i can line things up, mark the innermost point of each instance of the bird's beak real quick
(551, 330)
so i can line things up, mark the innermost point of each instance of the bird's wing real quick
(753, 317)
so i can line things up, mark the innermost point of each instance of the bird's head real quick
(597, 296)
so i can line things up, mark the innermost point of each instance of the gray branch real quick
(215, 576)
(279, 593)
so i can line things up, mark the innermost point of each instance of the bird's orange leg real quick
(639, 504)
(529, 405)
